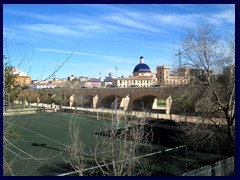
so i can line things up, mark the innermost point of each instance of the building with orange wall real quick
(165, 78)
(22, 78)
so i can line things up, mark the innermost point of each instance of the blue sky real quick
(39, 38)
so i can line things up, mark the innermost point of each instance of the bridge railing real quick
(134, 114)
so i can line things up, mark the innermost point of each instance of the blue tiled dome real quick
(142, 67)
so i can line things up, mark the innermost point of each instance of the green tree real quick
(43, 95)
(183, 103)
(10, 89)
(28, 95)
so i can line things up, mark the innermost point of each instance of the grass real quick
(161, 103)
(46, 135)
(50, 130)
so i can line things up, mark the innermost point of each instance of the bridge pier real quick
(155, 106)
(124, 103)
(95, 101)
(168, 104)
(71, 100)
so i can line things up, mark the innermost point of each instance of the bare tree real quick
(75, 148)
(121, 147)
(117, 151)
(9, 133)
(123, 144)
(212, 66)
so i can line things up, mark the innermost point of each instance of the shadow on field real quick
(56, 149)
(161, 132)
(55, 169)
(62, 168)
(45, 146)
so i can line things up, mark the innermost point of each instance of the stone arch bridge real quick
(137, 98)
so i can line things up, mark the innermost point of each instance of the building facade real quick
(48, 84)
(166, 79)
(142, 77)
(22, 78)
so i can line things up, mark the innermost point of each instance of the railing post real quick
(186, 164)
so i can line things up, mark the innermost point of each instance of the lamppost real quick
(116, 68)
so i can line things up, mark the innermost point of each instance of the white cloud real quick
(177, 20)
(50, 28)
(161, 22)
(133, 20)
(102, 57)
(223, 16)
(63, 51)
(25, 15)
(121, 20)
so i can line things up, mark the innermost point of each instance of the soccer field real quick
(41, 147)
(45, 136)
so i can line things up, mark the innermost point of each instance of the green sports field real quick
(40, 148)
(45, 136)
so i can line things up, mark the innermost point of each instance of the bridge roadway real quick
(134, 98)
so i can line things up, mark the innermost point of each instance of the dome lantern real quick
(141, 60)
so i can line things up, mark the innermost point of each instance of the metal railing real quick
(138, 157)
(224, 167)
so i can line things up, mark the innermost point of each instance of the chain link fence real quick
(224, 167)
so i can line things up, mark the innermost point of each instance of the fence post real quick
(186, 164)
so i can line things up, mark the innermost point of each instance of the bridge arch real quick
(112, 101)
(86, 101)
(143, 102)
